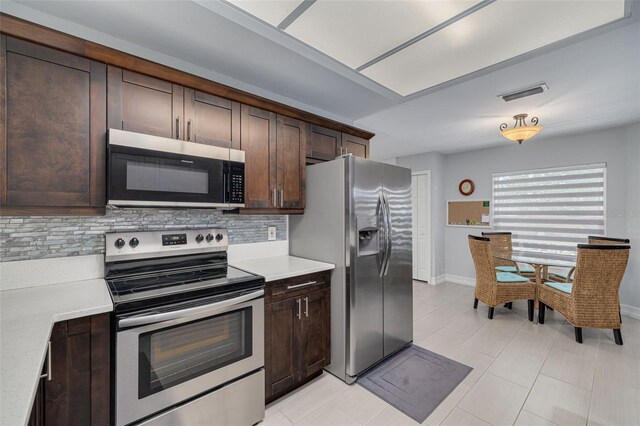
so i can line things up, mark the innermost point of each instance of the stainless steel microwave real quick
(151, 171)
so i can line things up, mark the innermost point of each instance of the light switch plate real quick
(271, 233)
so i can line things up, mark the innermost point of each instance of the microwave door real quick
(147, 178)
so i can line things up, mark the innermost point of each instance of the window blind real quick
(550, 211)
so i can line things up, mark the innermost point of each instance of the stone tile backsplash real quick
(38, 237)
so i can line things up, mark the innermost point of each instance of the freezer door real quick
(364, 283)
(397, 276)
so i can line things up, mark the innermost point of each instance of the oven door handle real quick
(182, 313)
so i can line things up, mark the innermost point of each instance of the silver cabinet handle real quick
(48, 375)
(290, 287)
(282, 198)
(177, 127)
(274, 198)
(299, 309)
(306, 307)
(189, 130)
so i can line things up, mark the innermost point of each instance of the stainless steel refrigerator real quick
(358, 217)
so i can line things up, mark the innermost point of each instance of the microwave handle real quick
(181, 313)
(225, 184)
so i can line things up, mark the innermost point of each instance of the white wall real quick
(631, 295)
(435, 163)
(618, 147)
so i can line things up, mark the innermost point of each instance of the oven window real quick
(182, 178)
(171, 356)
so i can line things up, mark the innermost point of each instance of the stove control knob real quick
(199, 238)
(119, 243)
(134, 242)
(219, 237)
(209, 238)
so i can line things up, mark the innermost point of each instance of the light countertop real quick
(27, 316)
(280, 267)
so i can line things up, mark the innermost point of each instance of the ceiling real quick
(412, 45)
(592, 76)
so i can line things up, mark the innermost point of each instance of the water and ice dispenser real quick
(368, 235)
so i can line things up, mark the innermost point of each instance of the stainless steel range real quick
(189, 330)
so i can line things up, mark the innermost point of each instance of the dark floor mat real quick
(414, 380)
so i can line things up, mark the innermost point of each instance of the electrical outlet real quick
(271, 233)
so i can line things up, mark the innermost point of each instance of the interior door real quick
(397, 282)
(365, 284)
(421, 232)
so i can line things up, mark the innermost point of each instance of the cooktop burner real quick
(159, 268)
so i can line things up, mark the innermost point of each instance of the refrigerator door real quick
(364, 284)
(397, 277)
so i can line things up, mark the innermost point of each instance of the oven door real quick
(140, 177)
(169, 356)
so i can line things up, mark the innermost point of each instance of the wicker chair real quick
(502, 246)
(592, 299)
(494, 288)
(591, 240)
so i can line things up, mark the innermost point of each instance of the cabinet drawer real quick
(296, 286)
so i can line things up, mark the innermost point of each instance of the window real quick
(550, 211)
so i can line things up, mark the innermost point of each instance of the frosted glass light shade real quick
(522, 133)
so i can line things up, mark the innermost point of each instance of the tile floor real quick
(524, 374)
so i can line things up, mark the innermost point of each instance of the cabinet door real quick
(211, 120)
(358, 147)
(53, 115)
(291, 148)
(323, 144)
(258, 141)
(143, 104)
(77, 391)
(316, 339)
(282, 345)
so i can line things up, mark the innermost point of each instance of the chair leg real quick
(541, 307)
(530, 309)
(475, 303)
(617, 335)
(508, 305)
(578, 334)
(490, 312)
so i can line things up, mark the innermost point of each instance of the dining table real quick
(541, 268)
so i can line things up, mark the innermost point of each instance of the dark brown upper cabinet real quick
(326, 144)
(275, 148)
(52, 141)
(259, 144)
(354, 145)
(323, 144)
(291, 150)
(211, 120)
(143, 104)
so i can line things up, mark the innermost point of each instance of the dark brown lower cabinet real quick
(76, 390)
(297, 332)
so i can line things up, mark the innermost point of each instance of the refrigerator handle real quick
(382, 240)
(387, 235)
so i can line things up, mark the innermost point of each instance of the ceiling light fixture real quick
(521, 131)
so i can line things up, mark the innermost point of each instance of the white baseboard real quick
(630, 311)
(459, 279)
(626, 310)
(437, 280)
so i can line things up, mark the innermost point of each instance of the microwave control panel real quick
(236, 185)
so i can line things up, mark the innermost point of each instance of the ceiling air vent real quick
(529, 91)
